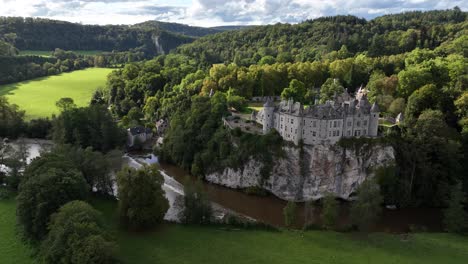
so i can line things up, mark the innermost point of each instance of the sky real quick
(208, 13)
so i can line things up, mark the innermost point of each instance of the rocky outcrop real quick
(307, 175)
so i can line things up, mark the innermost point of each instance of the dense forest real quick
(46, 34)
(316, 39)
(413, 63)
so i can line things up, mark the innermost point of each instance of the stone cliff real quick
(309, 173)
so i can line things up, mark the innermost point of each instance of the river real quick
(268, 209)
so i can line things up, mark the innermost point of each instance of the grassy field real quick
(189, 244)
(37, 97)
(45, 53)
(176, 244)
(12, 250)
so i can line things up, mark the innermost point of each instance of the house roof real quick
(139, 130)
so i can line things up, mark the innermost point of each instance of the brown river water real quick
(269, 209)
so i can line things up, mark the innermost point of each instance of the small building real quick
(138, 135)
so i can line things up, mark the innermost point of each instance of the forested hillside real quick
(179, 28)
(315, 39)
(413, 63)
(46, 34)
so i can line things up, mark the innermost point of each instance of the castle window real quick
(357, 133)
(349, 133)
(329, 133)
(304, 121)
(358, 123)
(315, 124)
(335, 124)
(365, 132)
(291, 129)
(349, 123)
(281, 119)
(314, 133)
(281, 126)
(365, 122)
(295, 131)
(292, 121)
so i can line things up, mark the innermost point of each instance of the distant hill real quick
(46, 34)
(179, 28)
(312, 39)
(226, 28)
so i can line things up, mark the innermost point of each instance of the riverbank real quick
(174, 244)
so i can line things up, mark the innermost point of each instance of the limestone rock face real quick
(310, 174)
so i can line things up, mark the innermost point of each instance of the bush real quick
(77, 235)
(367, 208)
(329, 211)
(41, 194)
(142, 203)
(455, 217)
(197, 209)
(289, 213)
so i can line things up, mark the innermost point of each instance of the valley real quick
(339, 138)
(38, 96)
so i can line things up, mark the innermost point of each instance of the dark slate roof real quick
(375, 108)
(139, 130)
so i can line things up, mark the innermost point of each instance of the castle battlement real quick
(345, 116)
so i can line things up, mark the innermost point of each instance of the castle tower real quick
(268, 115)
(374, 120)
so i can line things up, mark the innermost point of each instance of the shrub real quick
(77, 235)
(289, 213)
(455, 217)
(367, 208)
(42, 194)
(197, 209)
(142, 203)
(329, 211)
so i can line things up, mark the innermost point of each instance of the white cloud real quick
(211, 12)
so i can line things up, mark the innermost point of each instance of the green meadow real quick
(178, 244)
(46, 53)
(37, 97)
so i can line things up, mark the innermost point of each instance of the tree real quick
(295, 91)
(42, 193)
(197, 207)
(142, 204)
(289, 213)
(77, 235)
(455, 217)
(267, 60)
(397, 106)
(91, 126)
(11, 119)
(329, 89)
(329, 211)
(367, 207)
(65, 104)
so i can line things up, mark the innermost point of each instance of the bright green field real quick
(37, 97)
(12, 250)
(176, 244)
(45, 53)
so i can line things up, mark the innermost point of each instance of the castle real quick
(344, 116)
